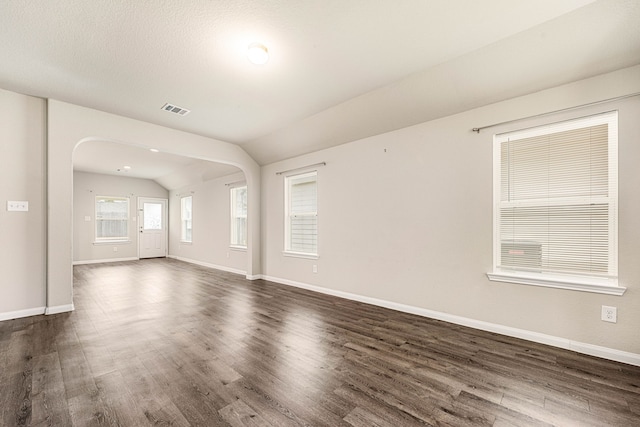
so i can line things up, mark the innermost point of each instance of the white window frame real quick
(185, 222)
(288, 251)
(115, 239)
(588, 283)
(233, 238)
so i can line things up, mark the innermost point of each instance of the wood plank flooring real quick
(164, 343)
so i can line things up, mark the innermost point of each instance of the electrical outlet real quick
(315, 268)
(19, 206)
(115, 249)
(609, 314)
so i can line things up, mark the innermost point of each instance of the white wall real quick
(86, 186)
(22, 234)
(211, 226)
(406, 217)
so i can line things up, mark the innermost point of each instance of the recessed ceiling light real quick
(127, 167)
(258, 53)
(154, 150)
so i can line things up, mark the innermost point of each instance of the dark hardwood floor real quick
(161, 342)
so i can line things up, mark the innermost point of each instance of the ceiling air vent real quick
(175, 109)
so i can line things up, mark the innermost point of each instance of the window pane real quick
(304, 237)
(186, 218)
(563, 164)
(152, 213)
(567, 239)
(302, 225)
(112, 216)
(239, 216)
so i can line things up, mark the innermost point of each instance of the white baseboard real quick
(101, 261)
(254, 277)
(206, 264)
(579, 347)
(22, 313)
(59, 309)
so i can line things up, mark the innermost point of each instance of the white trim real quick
(165, 221)
(567, 344)
(206, 264)
(59, 309)
(574, 284)
(300, 255)
(101, 261)
(254, 277)
(112, 242)
(9, 315)
(238, 248)
(606, 117)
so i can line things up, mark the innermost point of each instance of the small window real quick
(186, 219)
(112, 219)
(152, 216)
(238, 196)
(555, 195)
(301, 228)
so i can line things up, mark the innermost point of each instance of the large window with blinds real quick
(555, 202)
(301, 206)
(112, 219)
(238, 197)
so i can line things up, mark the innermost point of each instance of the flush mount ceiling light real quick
(154, 150)
(257, 53)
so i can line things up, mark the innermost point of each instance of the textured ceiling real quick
(338, 71)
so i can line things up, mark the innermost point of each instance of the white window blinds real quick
(302, 214)
(557, 198)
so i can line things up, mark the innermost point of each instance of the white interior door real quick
(152, 221)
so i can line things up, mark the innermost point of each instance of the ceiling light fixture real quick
(258, 53)
(154, 150)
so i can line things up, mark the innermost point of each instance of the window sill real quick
(600, 286)
(111, 242)
(299, 255)
(238, 248)
(184, 242)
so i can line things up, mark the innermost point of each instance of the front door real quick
(152, 222)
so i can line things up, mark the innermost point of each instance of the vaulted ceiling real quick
(339, 70)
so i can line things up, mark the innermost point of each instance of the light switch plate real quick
(17, 206)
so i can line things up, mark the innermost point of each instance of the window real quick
(238, 196)
(186, 219)
(152, 216)
(112, 219)
(301, 228)
(555, 198)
